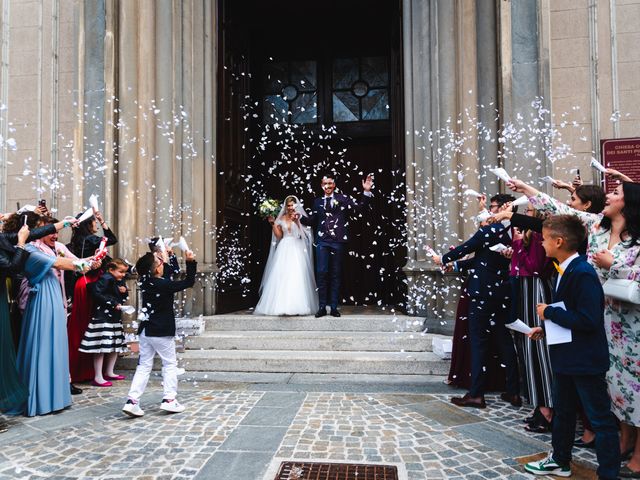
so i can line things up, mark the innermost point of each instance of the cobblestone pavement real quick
(243, 431)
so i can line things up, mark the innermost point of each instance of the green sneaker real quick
(548, 466)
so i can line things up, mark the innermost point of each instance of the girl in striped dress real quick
(104, 336)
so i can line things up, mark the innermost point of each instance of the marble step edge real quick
(386, 323)
(312, 340)
(411, 363)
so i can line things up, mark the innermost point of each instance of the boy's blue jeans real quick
(592, 392)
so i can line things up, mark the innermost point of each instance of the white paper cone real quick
(128, 309)
(523, 200)
(472, 193)
(93, 202)
(501, 173)
(183, 245)
(430, 251)
(547, 179)
(88, 213)
(26, 208)
(162, 246)
(499, 247)
(483, 216)
(597, 165)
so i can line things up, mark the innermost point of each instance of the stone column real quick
(126, 32)
(163, 119)
(487, 88)
(445, 78)
(96, 166)
(524, 74)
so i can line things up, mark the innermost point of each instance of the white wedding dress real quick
(288, 283)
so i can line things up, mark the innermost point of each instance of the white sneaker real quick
(171, 406)
(132, 409)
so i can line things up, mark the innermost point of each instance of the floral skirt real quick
(622, 323)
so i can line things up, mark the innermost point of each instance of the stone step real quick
(293, 361)
(312, 340)
(347, 323)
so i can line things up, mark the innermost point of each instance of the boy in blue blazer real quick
(579, 366)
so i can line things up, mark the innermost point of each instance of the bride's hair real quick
(290, 198)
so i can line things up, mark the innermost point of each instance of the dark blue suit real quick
(331, 226)
(580, 366)
(488, 287)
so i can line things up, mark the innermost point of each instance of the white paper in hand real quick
(162, 247)
(431, 252)
(501, 173)
(498, 248)
(483, 216)
(597, 165)
(555, 333)
(518, 202)
(88, 213)
(93, 202)
(547, 179)
(472, 193)
(519, 326)
(128, 309)
(26, 208)
(183, 245)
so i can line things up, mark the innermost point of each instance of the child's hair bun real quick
(145, 264)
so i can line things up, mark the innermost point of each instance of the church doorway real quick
(308, 88)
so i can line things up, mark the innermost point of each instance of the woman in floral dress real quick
(614, 251)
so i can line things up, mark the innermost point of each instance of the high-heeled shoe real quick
(541, 425)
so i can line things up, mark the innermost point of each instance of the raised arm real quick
(545, 203)
(525, 222)
(475, 243)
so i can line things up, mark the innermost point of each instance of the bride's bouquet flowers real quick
(269, 208)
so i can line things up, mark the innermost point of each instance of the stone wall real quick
(595, 66)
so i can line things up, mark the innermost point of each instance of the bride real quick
(288, 284)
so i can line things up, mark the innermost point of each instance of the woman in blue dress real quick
(43, 361)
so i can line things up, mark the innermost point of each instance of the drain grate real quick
(335, 471)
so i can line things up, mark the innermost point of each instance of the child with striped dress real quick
(104, 336)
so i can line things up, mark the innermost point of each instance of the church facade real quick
(171, 111)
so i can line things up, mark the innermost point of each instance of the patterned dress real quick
(622, 319)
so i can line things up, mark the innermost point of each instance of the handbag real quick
(622, 289)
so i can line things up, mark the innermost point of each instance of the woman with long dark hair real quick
(84, 242)
(12, 257)
(614, 251)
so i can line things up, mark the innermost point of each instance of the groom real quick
(330, 220)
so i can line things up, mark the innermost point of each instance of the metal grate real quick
(335, 471)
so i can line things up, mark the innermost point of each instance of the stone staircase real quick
(360, 342)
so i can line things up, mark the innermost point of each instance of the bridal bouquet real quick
(269, 208)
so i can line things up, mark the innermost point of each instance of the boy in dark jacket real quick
(157, 331)
(579, 366)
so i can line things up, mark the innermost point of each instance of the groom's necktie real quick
(327, 203)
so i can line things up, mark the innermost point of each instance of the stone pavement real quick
(244, 430)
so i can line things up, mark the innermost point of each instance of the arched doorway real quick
(305, 88)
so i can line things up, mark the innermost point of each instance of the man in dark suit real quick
(488, 288)
(330, 220)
